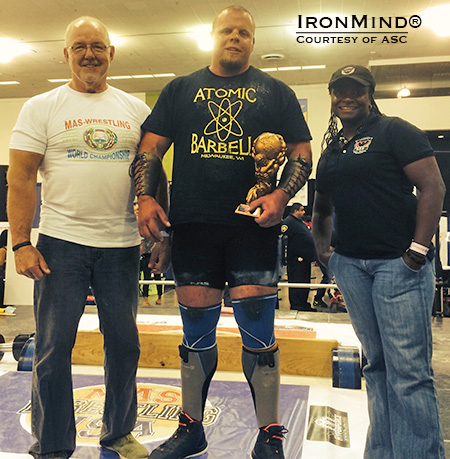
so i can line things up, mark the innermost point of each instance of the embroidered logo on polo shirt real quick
(362, 145)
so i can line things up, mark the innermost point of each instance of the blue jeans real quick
(60, 298)
(390, 308)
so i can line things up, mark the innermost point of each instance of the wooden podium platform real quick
(299, 356)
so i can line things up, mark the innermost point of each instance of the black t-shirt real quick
(375, 208)
(213, 122)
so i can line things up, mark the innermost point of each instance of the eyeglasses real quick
(96, 48)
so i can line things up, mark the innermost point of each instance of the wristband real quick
(419, 248)
(21, 244)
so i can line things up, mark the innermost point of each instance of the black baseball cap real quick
(358, 73)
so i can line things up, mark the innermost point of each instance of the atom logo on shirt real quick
(224, 119)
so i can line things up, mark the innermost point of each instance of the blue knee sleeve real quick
(255, 317)
(199, 326)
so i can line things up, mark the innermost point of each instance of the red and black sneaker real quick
(188, 441)
(269, 444)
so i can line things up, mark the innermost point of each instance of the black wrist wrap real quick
(147, 172)
(294, 176)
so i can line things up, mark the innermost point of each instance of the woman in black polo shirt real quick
(382, 259)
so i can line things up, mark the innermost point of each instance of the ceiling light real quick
(404, 92)
(202, 35)
(117, 77)
(116, 40)
(436, 19)
(58, 80)
(293, 67)
(409, 60)
(142, 76)
(441, 136)
(9, 82)
(120, 77)
(312, 67)
(9, 49)
(162, 75)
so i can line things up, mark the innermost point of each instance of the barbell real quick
(18, 346)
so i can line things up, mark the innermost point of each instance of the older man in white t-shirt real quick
(82, 138)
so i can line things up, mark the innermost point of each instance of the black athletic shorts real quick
(210, 255)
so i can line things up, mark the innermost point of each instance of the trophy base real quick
(243, 210)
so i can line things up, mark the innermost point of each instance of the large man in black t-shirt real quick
(213, 116)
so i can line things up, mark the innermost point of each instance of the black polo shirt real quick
(375, 208)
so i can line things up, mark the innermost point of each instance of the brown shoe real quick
(158, 301)
(128, 447)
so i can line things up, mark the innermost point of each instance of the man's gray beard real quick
(231, 66)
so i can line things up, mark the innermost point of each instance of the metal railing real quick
(280, 284)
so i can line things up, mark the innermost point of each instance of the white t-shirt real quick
(88, 142)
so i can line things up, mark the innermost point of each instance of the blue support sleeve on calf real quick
(255, 317)
(199, 326)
